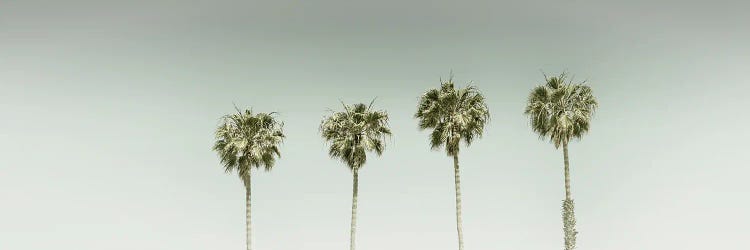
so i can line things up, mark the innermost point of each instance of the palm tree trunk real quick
(567, 171)
(459, 221)
(569, 219)
(248, 230)
(355, 188)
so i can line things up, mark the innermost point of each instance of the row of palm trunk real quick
(558, 110)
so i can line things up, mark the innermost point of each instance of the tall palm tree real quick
(351, 134)
(453, 115)
(244, 141)
(561, 111)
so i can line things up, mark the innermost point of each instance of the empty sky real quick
(107, 110)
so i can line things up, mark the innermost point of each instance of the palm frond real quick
(244, 140)
(454, 115)
(352, 133)
(560, 110)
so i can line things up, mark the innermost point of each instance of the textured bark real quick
(569, 224)
(355, 189)
(459, 221)
(569, 220)
(248, 230)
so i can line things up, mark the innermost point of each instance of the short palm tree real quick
(561, 111)
(351, 134)
(244, 141)
(454, 115)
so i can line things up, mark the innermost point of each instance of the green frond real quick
(245, 140)
(355, 131)
(560, 111)
(438, 138)
(454, 115)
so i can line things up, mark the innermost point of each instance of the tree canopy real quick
(245, 140)
(353, 132)
(453, 114)
(560, 110)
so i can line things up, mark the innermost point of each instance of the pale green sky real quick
(107, 110)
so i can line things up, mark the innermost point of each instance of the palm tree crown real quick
(247, 140)
(355, 131)
(560, 110)
(453, 114)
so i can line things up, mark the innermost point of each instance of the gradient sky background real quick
(107, 110)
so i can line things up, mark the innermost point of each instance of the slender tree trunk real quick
(569, 219)
(567, 171)
(248, 230)
(459, 221)
(355, 189)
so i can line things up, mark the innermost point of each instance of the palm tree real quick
(244, 141)
(453, 115)
(560, 111)
(351, 134)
